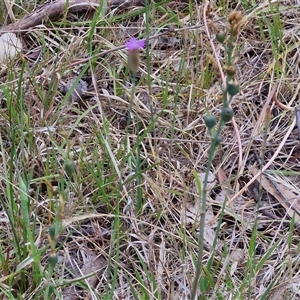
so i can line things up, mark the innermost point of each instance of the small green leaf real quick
(198, 182)
(26, 262)
(24, 202)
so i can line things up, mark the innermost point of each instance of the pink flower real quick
(134, 44)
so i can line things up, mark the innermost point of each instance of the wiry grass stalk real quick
(231, 89)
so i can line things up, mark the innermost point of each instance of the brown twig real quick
(48, 10)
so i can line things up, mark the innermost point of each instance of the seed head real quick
(235, 21)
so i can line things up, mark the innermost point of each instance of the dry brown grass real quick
(130, 227)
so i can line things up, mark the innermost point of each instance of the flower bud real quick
(53, 259)
(133, 46)
(220, 37)
(226, 114)
(210, 121)
(233, 89)
(52, 231)
(69, 167)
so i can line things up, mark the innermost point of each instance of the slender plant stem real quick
(203, 210)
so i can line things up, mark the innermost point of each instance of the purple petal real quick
(141, 43)
(134, 44)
